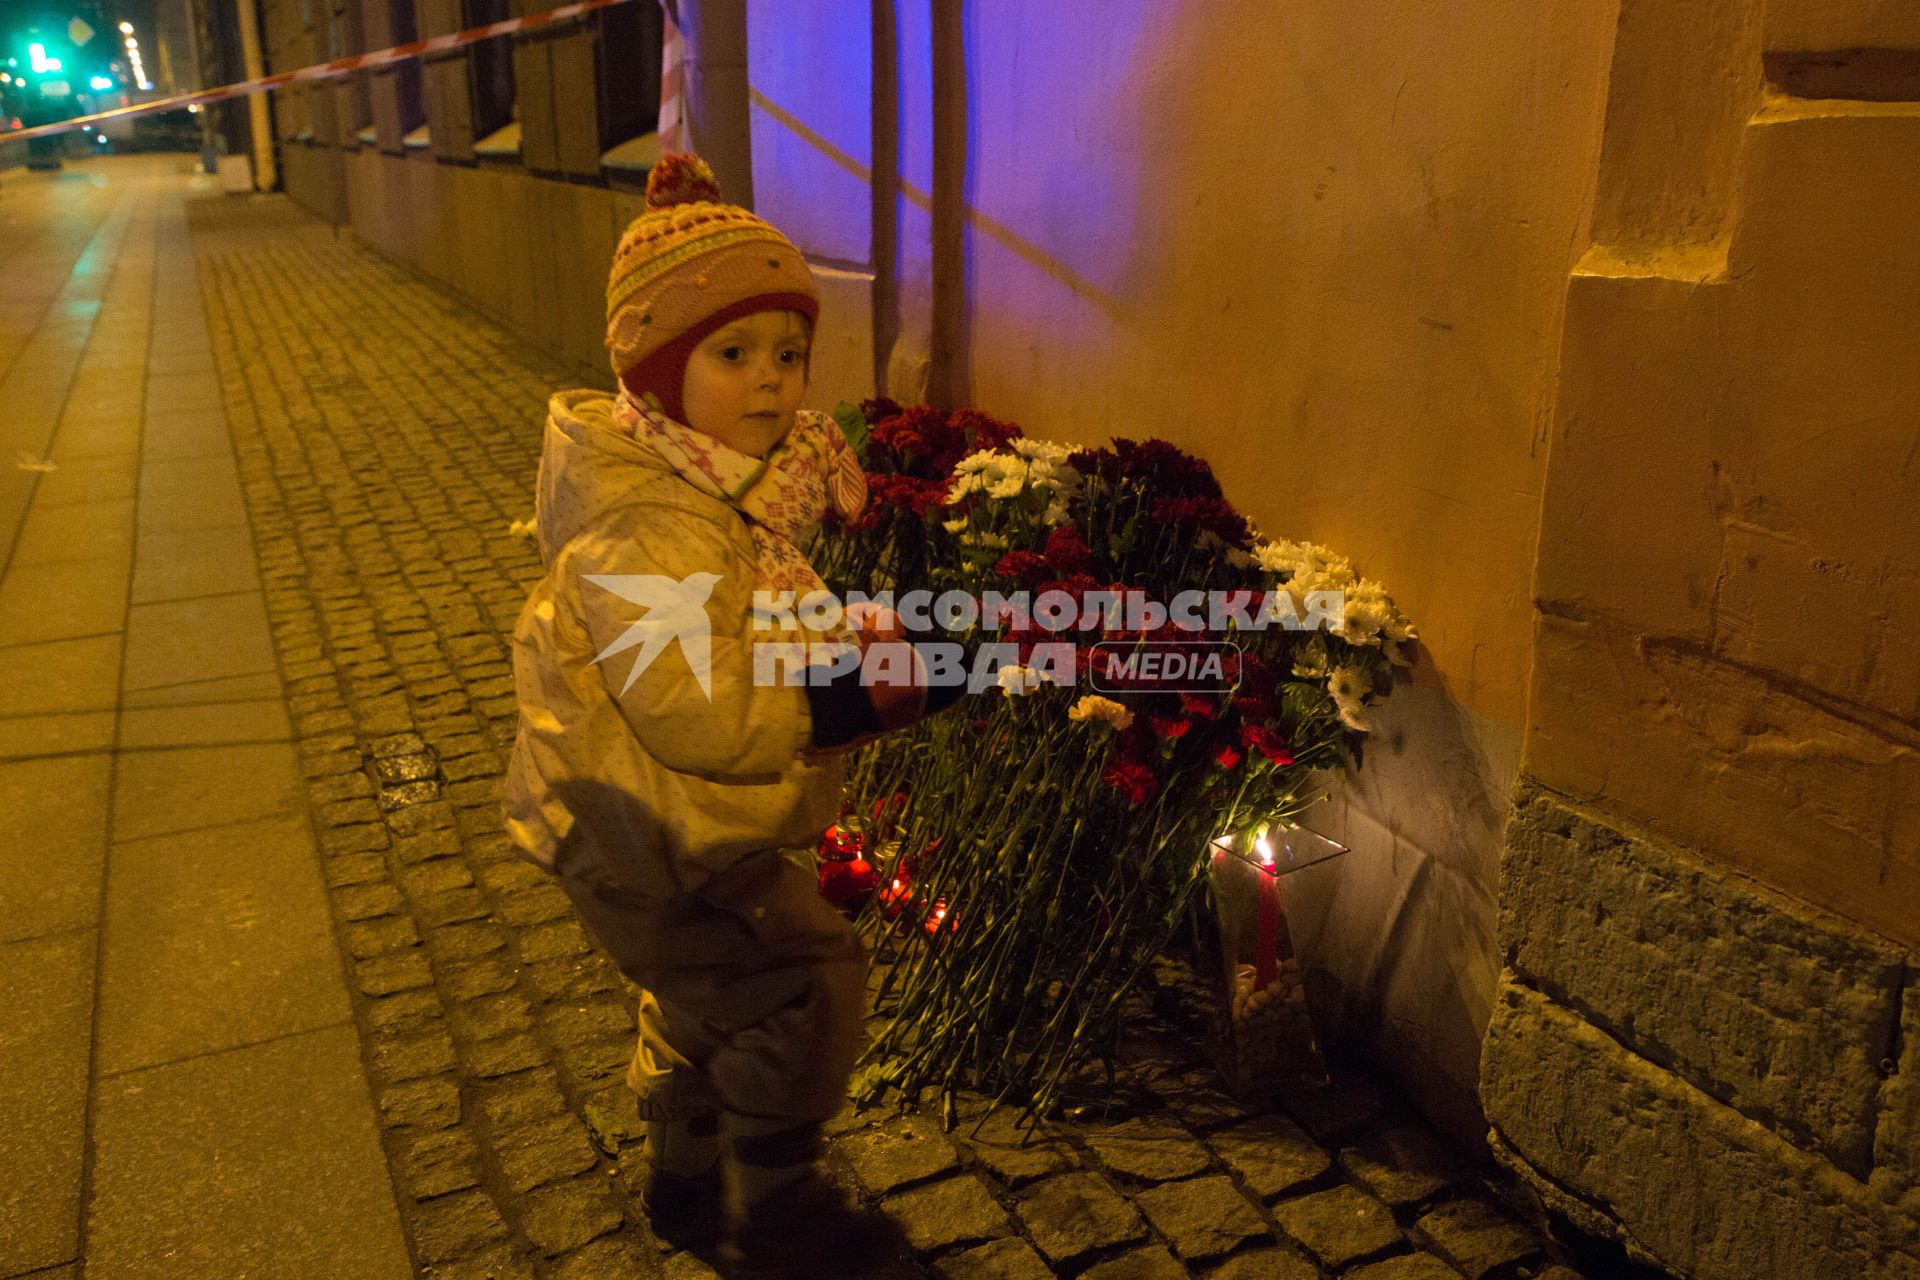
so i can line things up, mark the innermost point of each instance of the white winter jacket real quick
(659, 787)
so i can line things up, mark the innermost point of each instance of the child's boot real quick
(684, 1196)
(798, 1225)
(810, 1231)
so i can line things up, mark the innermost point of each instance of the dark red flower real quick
(1212, 514)
(879, 409)
(1200, 704)
(928, 496)
(1226, 757)
(1255, 709)
(982, 431)
(902, 434)
(1094, 462)
(1067, 551)
(1266, 742)
(1169, 726)
(1132, 778)
(1256, 675)
(1022, 564)
(1165, 466)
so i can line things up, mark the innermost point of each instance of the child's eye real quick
(791, 356)
(732, 353)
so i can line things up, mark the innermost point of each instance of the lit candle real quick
(1267, 939)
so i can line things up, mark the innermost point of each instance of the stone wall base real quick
(1720, 1078)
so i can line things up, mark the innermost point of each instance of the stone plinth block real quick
(1768, 1005)
(1672, 1173)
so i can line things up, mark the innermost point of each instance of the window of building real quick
(398, 103)
(491, 64)
(588, 88)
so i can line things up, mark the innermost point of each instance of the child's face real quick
(744, 382)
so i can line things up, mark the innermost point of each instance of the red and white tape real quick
(322, 71)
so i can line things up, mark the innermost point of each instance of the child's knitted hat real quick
(687, 266)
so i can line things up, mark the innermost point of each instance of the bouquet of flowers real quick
(1022, 860)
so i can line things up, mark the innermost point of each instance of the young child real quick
(675, 797)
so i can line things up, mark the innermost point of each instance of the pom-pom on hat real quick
(688, 265)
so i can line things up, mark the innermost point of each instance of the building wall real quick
(1601, 359)
(1322, 246)
(1705, 1037)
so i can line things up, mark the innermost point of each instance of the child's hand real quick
(874, 622)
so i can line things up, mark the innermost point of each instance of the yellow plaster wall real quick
(1729, 635)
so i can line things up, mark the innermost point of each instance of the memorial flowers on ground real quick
(1022, 860)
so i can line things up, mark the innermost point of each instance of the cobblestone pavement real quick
(387, 438)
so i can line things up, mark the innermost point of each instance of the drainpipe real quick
(266, 174)
(715, 67)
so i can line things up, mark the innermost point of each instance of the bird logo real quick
(675, 608)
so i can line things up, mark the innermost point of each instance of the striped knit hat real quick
(684, 268)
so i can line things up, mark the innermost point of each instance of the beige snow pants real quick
(753, 991)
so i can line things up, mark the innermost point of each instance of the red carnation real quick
(1200, 704)
(902, 434)
(1169, 726)
(1266, 742)
(926, 496)
(1091, 462)
(982, 431)
(1256, 674)
(1022, 564)
(1067, 551)
(879, 409)
(1226, 757)
(1165, 466)
(1211, 514)
(1255, 709)
(1132, 777)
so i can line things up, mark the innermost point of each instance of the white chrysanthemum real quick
(1311, 662)
(1015, 681)
(973, 462)
(1010, 487)
(1349, 687)
(1238, 558)
(966, 484)
(1271, 558)
(1055, 515)
(1306, 560)
(1094, 707)
(954, 526)
(1028, 447)
(1365, 618)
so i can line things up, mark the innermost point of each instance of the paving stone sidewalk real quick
(388, 437)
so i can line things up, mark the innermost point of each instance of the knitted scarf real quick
(783, 495)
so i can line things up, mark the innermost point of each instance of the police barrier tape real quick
(321, 71)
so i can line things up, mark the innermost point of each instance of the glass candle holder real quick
(1267, 1040)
